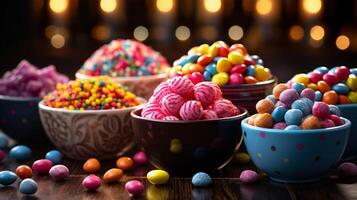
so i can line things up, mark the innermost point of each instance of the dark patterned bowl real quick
(247, 95)
(349, 111)
(19, 119)
(184, 147)
(103, 134)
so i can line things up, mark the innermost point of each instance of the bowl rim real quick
(81, 76)
(240, 116)
(42, 106)
(347, 105)
(331, 130)
(13, 98)
(274, 79)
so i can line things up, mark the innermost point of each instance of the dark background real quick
(23, 25)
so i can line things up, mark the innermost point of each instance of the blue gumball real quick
(278, 114)
(293, 117)
(55, 156)
(211, 68)
(318, 96)
(251, 70)
(322, 69)
(292, 127)
(28, 186)
(7, 177)
(20, 152)
(334, 110)
(298, 87)
(207, 76)
(301, 105)
(201, 179)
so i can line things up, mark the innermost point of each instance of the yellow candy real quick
(313, 86)
(213, 50)
(158, 177)
(220, 79)
(235, 57)
(352, 82)
(301, 78)
(261, 74)
(353, 96)
(203, 49)
(186, 68)
(155, 193)
(242, 158)
(223, 65)
(193, 50)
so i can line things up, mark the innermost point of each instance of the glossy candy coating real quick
(24, 171)
(55, 156)
(158, 177)
(28, 186)
(201, 179)
(20, 152)
(7, 177)
(113, 175)
(59, 172)
(42, 166)
(91, 165)
(91, 182)
(134, 187)
(125, 163)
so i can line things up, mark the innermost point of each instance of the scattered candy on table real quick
(180, 99)
(95, 94)
(221, 64)
(335, 86)
(158, 177)
(55, 156)
(201, 179)
(24, 171)
(91, 165)
(20, 152)
(124, 58)
(28, 81)
(134, 187)
(42, 166)
(7, 177)
(347, 169)
(125, 163)
(113, 175)
(248, 176)
(91, 182)
(59, 172)
(28, 186)
(140, 158)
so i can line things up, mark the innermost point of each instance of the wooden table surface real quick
(226, 185)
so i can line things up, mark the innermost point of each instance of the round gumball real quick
(7, 177)
(298, 87)
(240, 69)
(288, 96)
(353, 97)
(352, 82)
(264, 120)
(330, 97)
(308, 93)
(250, 80)
(248, 176)
(311, 122)
(315, 76)
(278, 89)
(158, 177)
(321, 110)
(201, 179)
(342, 73)
(341, 88)
(236, 79)
(330, 79)
(342, 99)
(293, 117)
(301, 78)
(322, 69)
(278, 114)
(323, 87)
(280, 125)
(303, 106)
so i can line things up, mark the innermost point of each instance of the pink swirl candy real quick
(160, 91)
(155, 115)
(209, 114)
(171, 104)
(191, 110)
(205, 93)
(225, 108)
(170, 118)
(182, 86)
(218, 92)
(150, 108)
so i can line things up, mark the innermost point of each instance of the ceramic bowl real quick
(295, 156)
(142, 86)
(349, 111)
(184, 147)
(19, 119)
(103, 134)
(247, 95)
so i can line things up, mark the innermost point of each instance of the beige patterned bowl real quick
(142, 86)
(103, 134)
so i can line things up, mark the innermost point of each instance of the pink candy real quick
(140, 158)
(248, 176)
(162, 90)
(134, 187)
(205, 93)
(331, 79)
(225, 108)
(42, 166)
(191, 110)
(170, 118)
(321, 110)
(327, 123)
(347, 169)
(209, 114)
(150, 108)
(171, 104)
(342, 73)
(91, 182)
(182, 86)
(315, 76)
(155, 115)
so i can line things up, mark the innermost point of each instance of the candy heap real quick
(180, 99)
(28, 81)
(95, 94)
(221, 64)
(124, 58)
(293, 109)
(335, 86)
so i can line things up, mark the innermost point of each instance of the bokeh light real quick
(296, 32)
(108, 5)
(264, 7)
(58, 41)
(101, 32)
(317, 32)
(342, 42)
(164, 5)
(58, 6)
(182, 33)
(312, 6)
(212, 5)
(141, 33)
(235, 32)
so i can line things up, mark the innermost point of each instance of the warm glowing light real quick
(342, 42)
(208, 32)
(141, 33)
(264, 7)
(101, 32)
(235, 32)
(58, 6)
(58, 41)
(296, 32)
(182, 33)
(312, 6)
(164, 5)
(52, 30)
(108, 5)
(212, 5)
(317, 32)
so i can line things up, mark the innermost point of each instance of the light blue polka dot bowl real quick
(349, 111)
(295, 156)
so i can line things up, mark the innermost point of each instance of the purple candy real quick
(91, 182)
(134, 187)
(248, 176)
(321, 110)
(140, 158)
(347, 169)
(279, 103)
(59, 172)
(289, 96)
(280, 125)
(308, 93)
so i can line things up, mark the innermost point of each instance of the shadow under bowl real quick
(247, 95)
(349, 111)
(142, 86)
(104, 134)
(185, 147)
(295, 156)
(20, 120)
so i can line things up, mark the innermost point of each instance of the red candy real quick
(331, 79)
(337, 120)
(240, 68)
(196, 77)
(342, 73)
(42, 166)
(236, 79)
(327, 123)
(315, 77)
(191, 110)
(182, 86)
(225, 108)
(321, 110)
(171, 104)
(209, 114)
(205, 93)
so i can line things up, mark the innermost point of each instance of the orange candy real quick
(204, 60)
(125, 163)
(112, 175)
(196, 68)
(311, 122)
(24, 171)
(250, 80)
(265, 106)
(264, 120)
(238, 47)
(186, 69)
(251, 119)
(278, 89)
(91, 165)
(323, 87)
(330, 97)
(342, 99)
